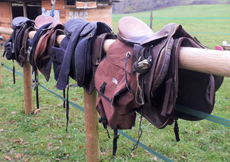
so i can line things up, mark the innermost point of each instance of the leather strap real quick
(116, 136)
(176, 131)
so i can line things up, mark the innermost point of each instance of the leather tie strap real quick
(116, 136)
(176, 131)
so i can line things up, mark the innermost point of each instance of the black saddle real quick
(17, 45)
(77, 59)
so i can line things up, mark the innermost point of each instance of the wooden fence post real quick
(91, 127)
(28, 93)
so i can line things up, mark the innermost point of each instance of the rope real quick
(144, 146)
(203, 115)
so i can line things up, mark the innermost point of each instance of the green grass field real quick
(42, 137)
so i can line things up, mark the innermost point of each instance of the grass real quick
(42, 137)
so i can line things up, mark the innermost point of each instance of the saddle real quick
(135, 31)
(140, 74)
(42, 43)
(17, 44)
(77, 62)
(163, 85)
(71, 25)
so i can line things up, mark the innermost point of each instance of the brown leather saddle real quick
(153, 55)
(43, 19)
(45, 43)
(160, 84)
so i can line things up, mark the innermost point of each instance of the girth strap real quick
(13, 72)
(35, 86)
(67, 109)
(176, 131)
(116, 136)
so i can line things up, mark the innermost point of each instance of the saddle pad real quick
(57, 56)
(195, 90)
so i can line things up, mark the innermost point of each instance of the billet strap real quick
(67, 105)
(128, 54)
(4, 53)
(176, 131)
(64, 98)
(13, 72)
(35, 86)
(67, 109)
(116, 136)
(104, 121)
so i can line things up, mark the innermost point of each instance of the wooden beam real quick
(24, 9)
(196, 59)
(28, 93)
(11, 14)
